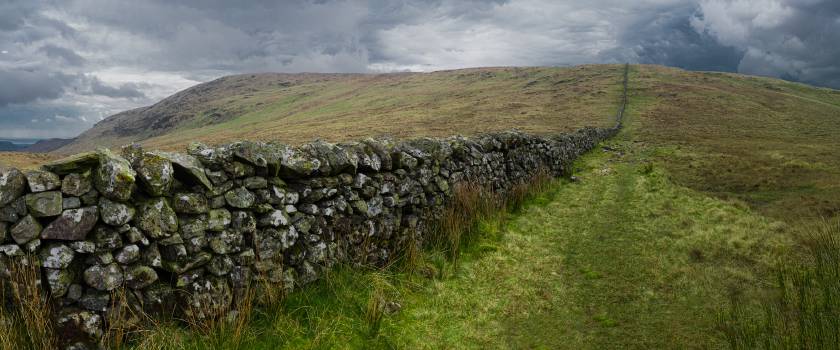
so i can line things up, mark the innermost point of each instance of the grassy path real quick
(622, 259)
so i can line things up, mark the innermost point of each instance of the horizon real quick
(70, 65)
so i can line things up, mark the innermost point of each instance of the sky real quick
(67, 64)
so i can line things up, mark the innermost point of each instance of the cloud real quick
(791, 39)
(21, 86)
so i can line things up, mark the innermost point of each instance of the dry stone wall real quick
(186, 233)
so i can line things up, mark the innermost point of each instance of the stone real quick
(139, 276)
(255, 183)
(74, 292)
(44, 204)
(218, 219)
(77, 326)
(76, 184)
(173, 252)
(225, 242)
(32, 246)
(155, 173)
(114, 178)
(59, 281)
(128, 254)
(106, 239)
(90, 198)
(56, 256)
(9, 214)
(78, 163)
(11, 250)
(71, 203)
(243, 222)
(220, 265)
(198, 260)
(25, 230)
(83, 247)
(189, 203)
(297, 164)
(216, 177)
(133, 235)
(115, 213)
(240, 198)
(104, 258)
(42, 181)
(151, 256)
(95, 301)
(4, 229)
(275, 218)
(192, 225)
(189, 166)
(72, 225)
(104, 277)
(156, 218)
(12, 185)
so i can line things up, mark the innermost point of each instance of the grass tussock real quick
(473, 203)
(803, 310)
(25, 312)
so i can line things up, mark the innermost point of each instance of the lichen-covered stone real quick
(189, 166)
(128, 254)
(189, 203)
(155, 173)
(298, 164)
(274, 218)
(115, 213)
(90, 198)
(196, 261)
(225, 242)
(220, 265)
(56, 256)
(78, 163)
(243, 222)
(139, 276)
(41, 181)
(4, 229)
(240, 198)
(218, 219)
(72, 225)
(76, 184)
(83, 247)
(104, 277)
(106, 239)
(114, 178)
(77, 326)
(25, 230)
(44, 204)
(59, 281)
(156, 218)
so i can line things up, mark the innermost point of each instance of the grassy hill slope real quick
(295, 108)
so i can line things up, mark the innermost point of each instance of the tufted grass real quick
(26, 322)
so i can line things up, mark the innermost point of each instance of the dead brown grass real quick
(28, 324)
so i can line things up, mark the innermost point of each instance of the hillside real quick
(295, 108)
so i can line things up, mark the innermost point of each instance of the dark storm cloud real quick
(68, 64)
(20, 86)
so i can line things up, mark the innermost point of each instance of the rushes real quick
(29, 323)
(473, 203)
(803, 311)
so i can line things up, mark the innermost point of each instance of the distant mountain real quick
(47, 145)
(8, 146)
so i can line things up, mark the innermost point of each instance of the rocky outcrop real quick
(188, 232)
